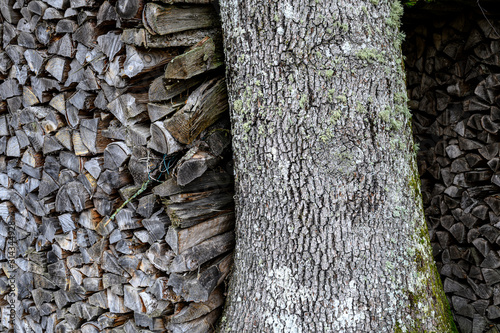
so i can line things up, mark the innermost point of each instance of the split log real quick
(194, 257)
(129, 9)
(159, 111)
(57, 67)
(115, 155)
(203, 107)
(9, 14)
(65, 26)
(196, 286)
(162, 141)
(160, 256)
(63, 47)
(165, 20)
(107, 15)
(138, 62)
(182, 239)
(202, 57)
(126, 107)
(199, 325)
(110, 44)
(162, 90)
(72, 197)
(193, 165)
(157, 225)
(141, 37)
(15, 53)
(185, 210)
(209, 180)
(197, 310)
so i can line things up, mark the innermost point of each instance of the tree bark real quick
(330, 232)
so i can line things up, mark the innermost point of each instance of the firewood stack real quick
(453, 78)
(115, 165)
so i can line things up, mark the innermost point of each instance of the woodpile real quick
(115, 166)
(453, 78)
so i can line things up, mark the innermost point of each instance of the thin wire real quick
(164, 166)
(484, 14)
(172, 159)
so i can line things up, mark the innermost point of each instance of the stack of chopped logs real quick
(115, 166)
(453, 77)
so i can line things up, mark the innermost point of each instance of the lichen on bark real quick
(329, 231)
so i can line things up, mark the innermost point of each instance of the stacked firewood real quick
(453, 77)
(115, 166)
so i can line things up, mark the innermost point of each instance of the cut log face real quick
(138, 62)
(162, 141)
(84, 106)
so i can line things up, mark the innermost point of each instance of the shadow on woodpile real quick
(116, 186)
(453, 78)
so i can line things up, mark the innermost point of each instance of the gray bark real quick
(330, 229)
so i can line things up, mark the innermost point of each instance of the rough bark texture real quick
(330, 228)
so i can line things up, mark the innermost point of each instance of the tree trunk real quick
(331, 234)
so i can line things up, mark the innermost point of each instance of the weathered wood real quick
(86, 34)
(107, 15)
(197, 287)
(186, 210)
(115, 155)
(88, 133)
(209, 180)
(165, 20)
(43, 85)
(126, 107)
(77, 100)
(52, 14)
(203, 107)
(182, 239)
(15, 53)
(202, 57)
(9, 88)
(162, 90)
(129, 9)
(199, 325)
(63, 47)
(194, 257)
(146, 205)
(162, 141)
(160, 256)
(61, 4)
(157, 225)
(196, 310)
(159, 111)
(110, 180)
(57, 67)
(5, 62)
(141, 37)
(193, 165)
(29, 97)
(9, 14)
(110, 44)
(66, 26)
(138, 62)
